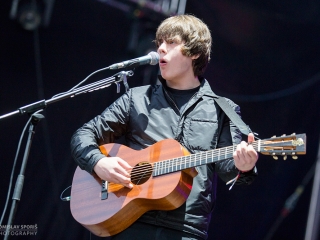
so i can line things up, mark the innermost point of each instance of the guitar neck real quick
(285, 145)
(193, 160)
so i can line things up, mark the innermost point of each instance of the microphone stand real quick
(36, 117)
(42, 104)
(20, 179)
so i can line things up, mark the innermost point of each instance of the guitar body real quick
(123, 206)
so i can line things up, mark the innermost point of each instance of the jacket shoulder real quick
(146, 91)
(145, 88)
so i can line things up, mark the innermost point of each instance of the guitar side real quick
(123, 205)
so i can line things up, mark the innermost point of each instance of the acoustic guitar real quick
(162, 176)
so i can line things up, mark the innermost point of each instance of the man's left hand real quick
(245, 157)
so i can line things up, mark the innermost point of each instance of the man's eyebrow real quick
(176, 38)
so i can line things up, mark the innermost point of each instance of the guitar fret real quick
(206, 157)
(155, 169)
(177, 163)
(172, 165)
(215, 157)
(161, 167)
(192, 163)
(222, 153)
(158, 168)
(173, 162)
(198, 160)
(166, 166)
(225, 153)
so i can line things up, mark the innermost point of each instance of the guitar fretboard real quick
(193, 160)
(284, 145)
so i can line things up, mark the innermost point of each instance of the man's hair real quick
(195, 35)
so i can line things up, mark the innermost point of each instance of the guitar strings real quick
(183, 160)
(187, 160)
(148, 168)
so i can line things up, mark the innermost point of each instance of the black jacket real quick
(144, 115)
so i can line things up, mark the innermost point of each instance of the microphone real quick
(152, 58)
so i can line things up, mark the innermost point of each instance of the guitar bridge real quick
(104, 190)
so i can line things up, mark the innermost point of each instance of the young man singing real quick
(183, 108)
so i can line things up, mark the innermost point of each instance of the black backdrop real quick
(265, 57)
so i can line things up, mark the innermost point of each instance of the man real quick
(182, 108)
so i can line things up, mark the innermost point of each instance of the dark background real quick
(265, 57)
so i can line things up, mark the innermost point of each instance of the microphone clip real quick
(122, 76)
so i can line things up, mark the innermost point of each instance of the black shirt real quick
(181, 97)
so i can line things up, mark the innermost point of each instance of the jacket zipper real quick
(172, 100)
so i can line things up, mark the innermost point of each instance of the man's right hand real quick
(114, 169)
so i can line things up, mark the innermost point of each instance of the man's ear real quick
(195, 56)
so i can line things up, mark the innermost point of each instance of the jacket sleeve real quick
(231, 135)
(103, 129)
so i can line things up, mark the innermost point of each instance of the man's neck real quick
(184, 84)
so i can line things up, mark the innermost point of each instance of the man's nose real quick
(162, 48)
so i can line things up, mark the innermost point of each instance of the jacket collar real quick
(205, 88)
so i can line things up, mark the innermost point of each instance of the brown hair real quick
(195, 35)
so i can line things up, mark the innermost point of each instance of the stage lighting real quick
(31, 14)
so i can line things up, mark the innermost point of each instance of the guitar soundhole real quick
(141, 173)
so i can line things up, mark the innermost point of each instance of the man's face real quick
(174, 66)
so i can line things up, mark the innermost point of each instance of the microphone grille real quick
(154, 58)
